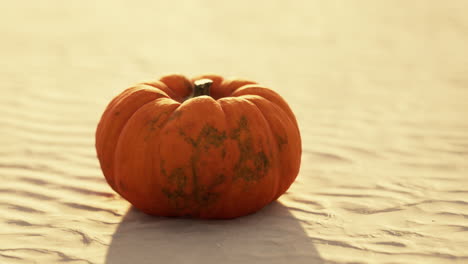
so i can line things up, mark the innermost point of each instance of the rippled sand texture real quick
(380, 91)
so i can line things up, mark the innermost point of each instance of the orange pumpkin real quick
(206, 147)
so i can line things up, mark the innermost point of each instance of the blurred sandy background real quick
(380, 90)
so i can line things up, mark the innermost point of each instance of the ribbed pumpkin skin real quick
(219, 156)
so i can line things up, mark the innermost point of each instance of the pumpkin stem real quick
(202, 87)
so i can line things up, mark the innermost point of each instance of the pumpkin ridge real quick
(201, 195)
(228, 86)
(120, 99)
(207, 137)
(163, 88)
(147, 85)
(296, 132)
(204, 187)
(172, 81)
(115, 101)
(286, 108)
(279, 142)
(242, 87)
(278, 107)
(126, 123)
(260, 159)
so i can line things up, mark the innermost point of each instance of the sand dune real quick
(380, 91)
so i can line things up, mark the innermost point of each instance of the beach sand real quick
(379, 88)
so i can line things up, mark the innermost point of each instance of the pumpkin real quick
(203, 148)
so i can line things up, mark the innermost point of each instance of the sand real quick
(380, 90)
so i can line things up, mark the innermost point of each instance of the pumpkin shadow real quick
(272, 235)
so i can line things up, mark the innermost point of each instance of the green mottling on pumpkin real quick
(223, 153)
(201, 196)
(211, 136)
(156, 122)
(208, 136)
(178, 195)
(242, 126)
(187, 138)
(153, 123)
(204, 197)
(176, 198)
(176, 114)
(219, 179)
(281, 141)
(251, 166)
(178, 177)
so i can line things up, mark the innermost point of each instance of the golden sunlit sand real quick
(379, 88)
